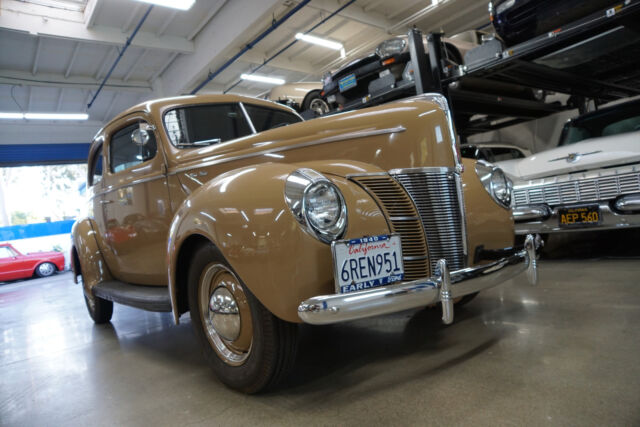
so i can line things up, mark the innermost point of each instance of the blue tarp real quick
(15, 232)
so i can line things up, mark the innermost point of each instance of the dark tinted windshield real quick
(609, 122)
(264, 118)
(202, 125)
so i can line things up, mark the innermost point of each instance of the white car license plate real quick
(366, 263)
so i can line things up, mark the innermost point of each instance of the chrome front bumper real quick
(542, 219)
(444, 287)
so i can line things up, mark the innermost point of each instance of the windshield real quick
(601, 124)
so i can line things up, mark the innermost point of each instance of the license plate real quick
(348, 82)
(367, 263)
(579, 216)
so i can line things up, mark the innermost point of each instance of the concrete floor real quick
(566, 352)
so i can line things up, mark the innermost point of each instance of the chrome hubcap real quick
(45, 269)
(319, 107)
(225, 314)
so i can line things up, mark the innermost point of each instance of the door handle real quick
(105, 202)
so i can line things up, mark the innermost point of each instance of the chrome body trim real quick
(247, 118)
(442, 287)
(628, 203)
(335, 138)
(609, 220)
(428, 169)
(527, 213)
(129, 184)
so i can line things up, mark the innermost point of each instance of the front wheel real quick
(248, 347)
(314, 102)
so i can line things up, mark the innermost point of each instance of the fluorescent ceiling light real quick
(44, 116)
(262, 79)
(319, 41)
(11, 116)
(174, 4)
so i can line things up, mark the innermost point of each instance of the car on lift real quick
(493, 151)
(238, 212)
(16, 265)
(301, 96)
(516, 21)
(590, 181)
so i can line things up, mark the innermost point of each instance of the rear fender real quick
(244, 214)
(86, 253)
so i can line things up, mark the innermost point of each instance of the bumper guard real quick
(443, 287)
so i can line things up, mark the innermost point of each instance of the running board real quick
(151, 298)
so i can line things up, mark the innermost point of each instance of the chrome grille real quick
(434, 192)
(584, 190)
(403, 219)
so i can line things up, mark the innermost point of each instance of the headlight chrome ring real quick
(497, 184)
(317, 204)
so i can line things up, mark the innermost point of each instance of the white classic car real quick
(591, 180)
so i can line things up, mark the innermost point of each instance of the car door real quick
(136, 208)
(7, 264)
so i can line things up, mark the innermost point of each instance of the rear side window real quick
(5, 252)
(95, 171)
(264, 118)
(202, 125)
(126, 151)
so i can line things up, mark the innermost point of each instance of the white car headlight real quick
(317, 204)
(495, 182)
(391, 46)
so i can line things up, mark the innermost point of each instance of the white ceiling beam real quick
(110, 107)
(213, 11)
(229, 32)
(12, 77)
(132, 18)
(60, 98)
(36, 57)
(166, 23)
(257, 57)
(59, 28)
(135, 65)
(353, 12)
(91, 12)
(164, 67)
(407, 6)
(107, 60)
(72, 60)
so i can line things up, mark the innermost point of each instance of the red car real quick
(15, 265)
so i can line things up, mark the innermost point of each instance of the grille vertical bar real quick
(435, 195)
(403, 220)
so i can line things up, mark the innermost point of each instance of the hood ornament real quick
(574, 157)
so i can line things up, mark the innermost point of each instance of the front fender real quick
(92, 265)
(244, 214)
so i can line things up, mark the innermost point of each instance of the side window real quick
(95, 175)
(131, 146)
(207, 124)
(5, 252)
(264, 118)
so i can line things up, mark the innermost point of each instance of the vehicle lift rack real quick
(522, 65)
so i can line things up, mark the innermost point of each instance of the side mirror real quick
(140, 137)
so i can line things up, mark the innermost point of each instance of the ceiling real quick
(54, 54)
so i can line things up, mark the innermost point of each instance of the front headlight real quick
(391, 47)
(317, 204)
(495, 182)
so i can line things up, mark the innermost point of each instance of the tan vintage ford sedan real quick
(236, 211)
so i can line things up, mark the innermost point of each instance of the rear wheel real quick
(246, 345)
(99, 309)
(45, 269)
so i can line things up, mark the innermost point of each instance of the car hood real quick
(589, 154)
